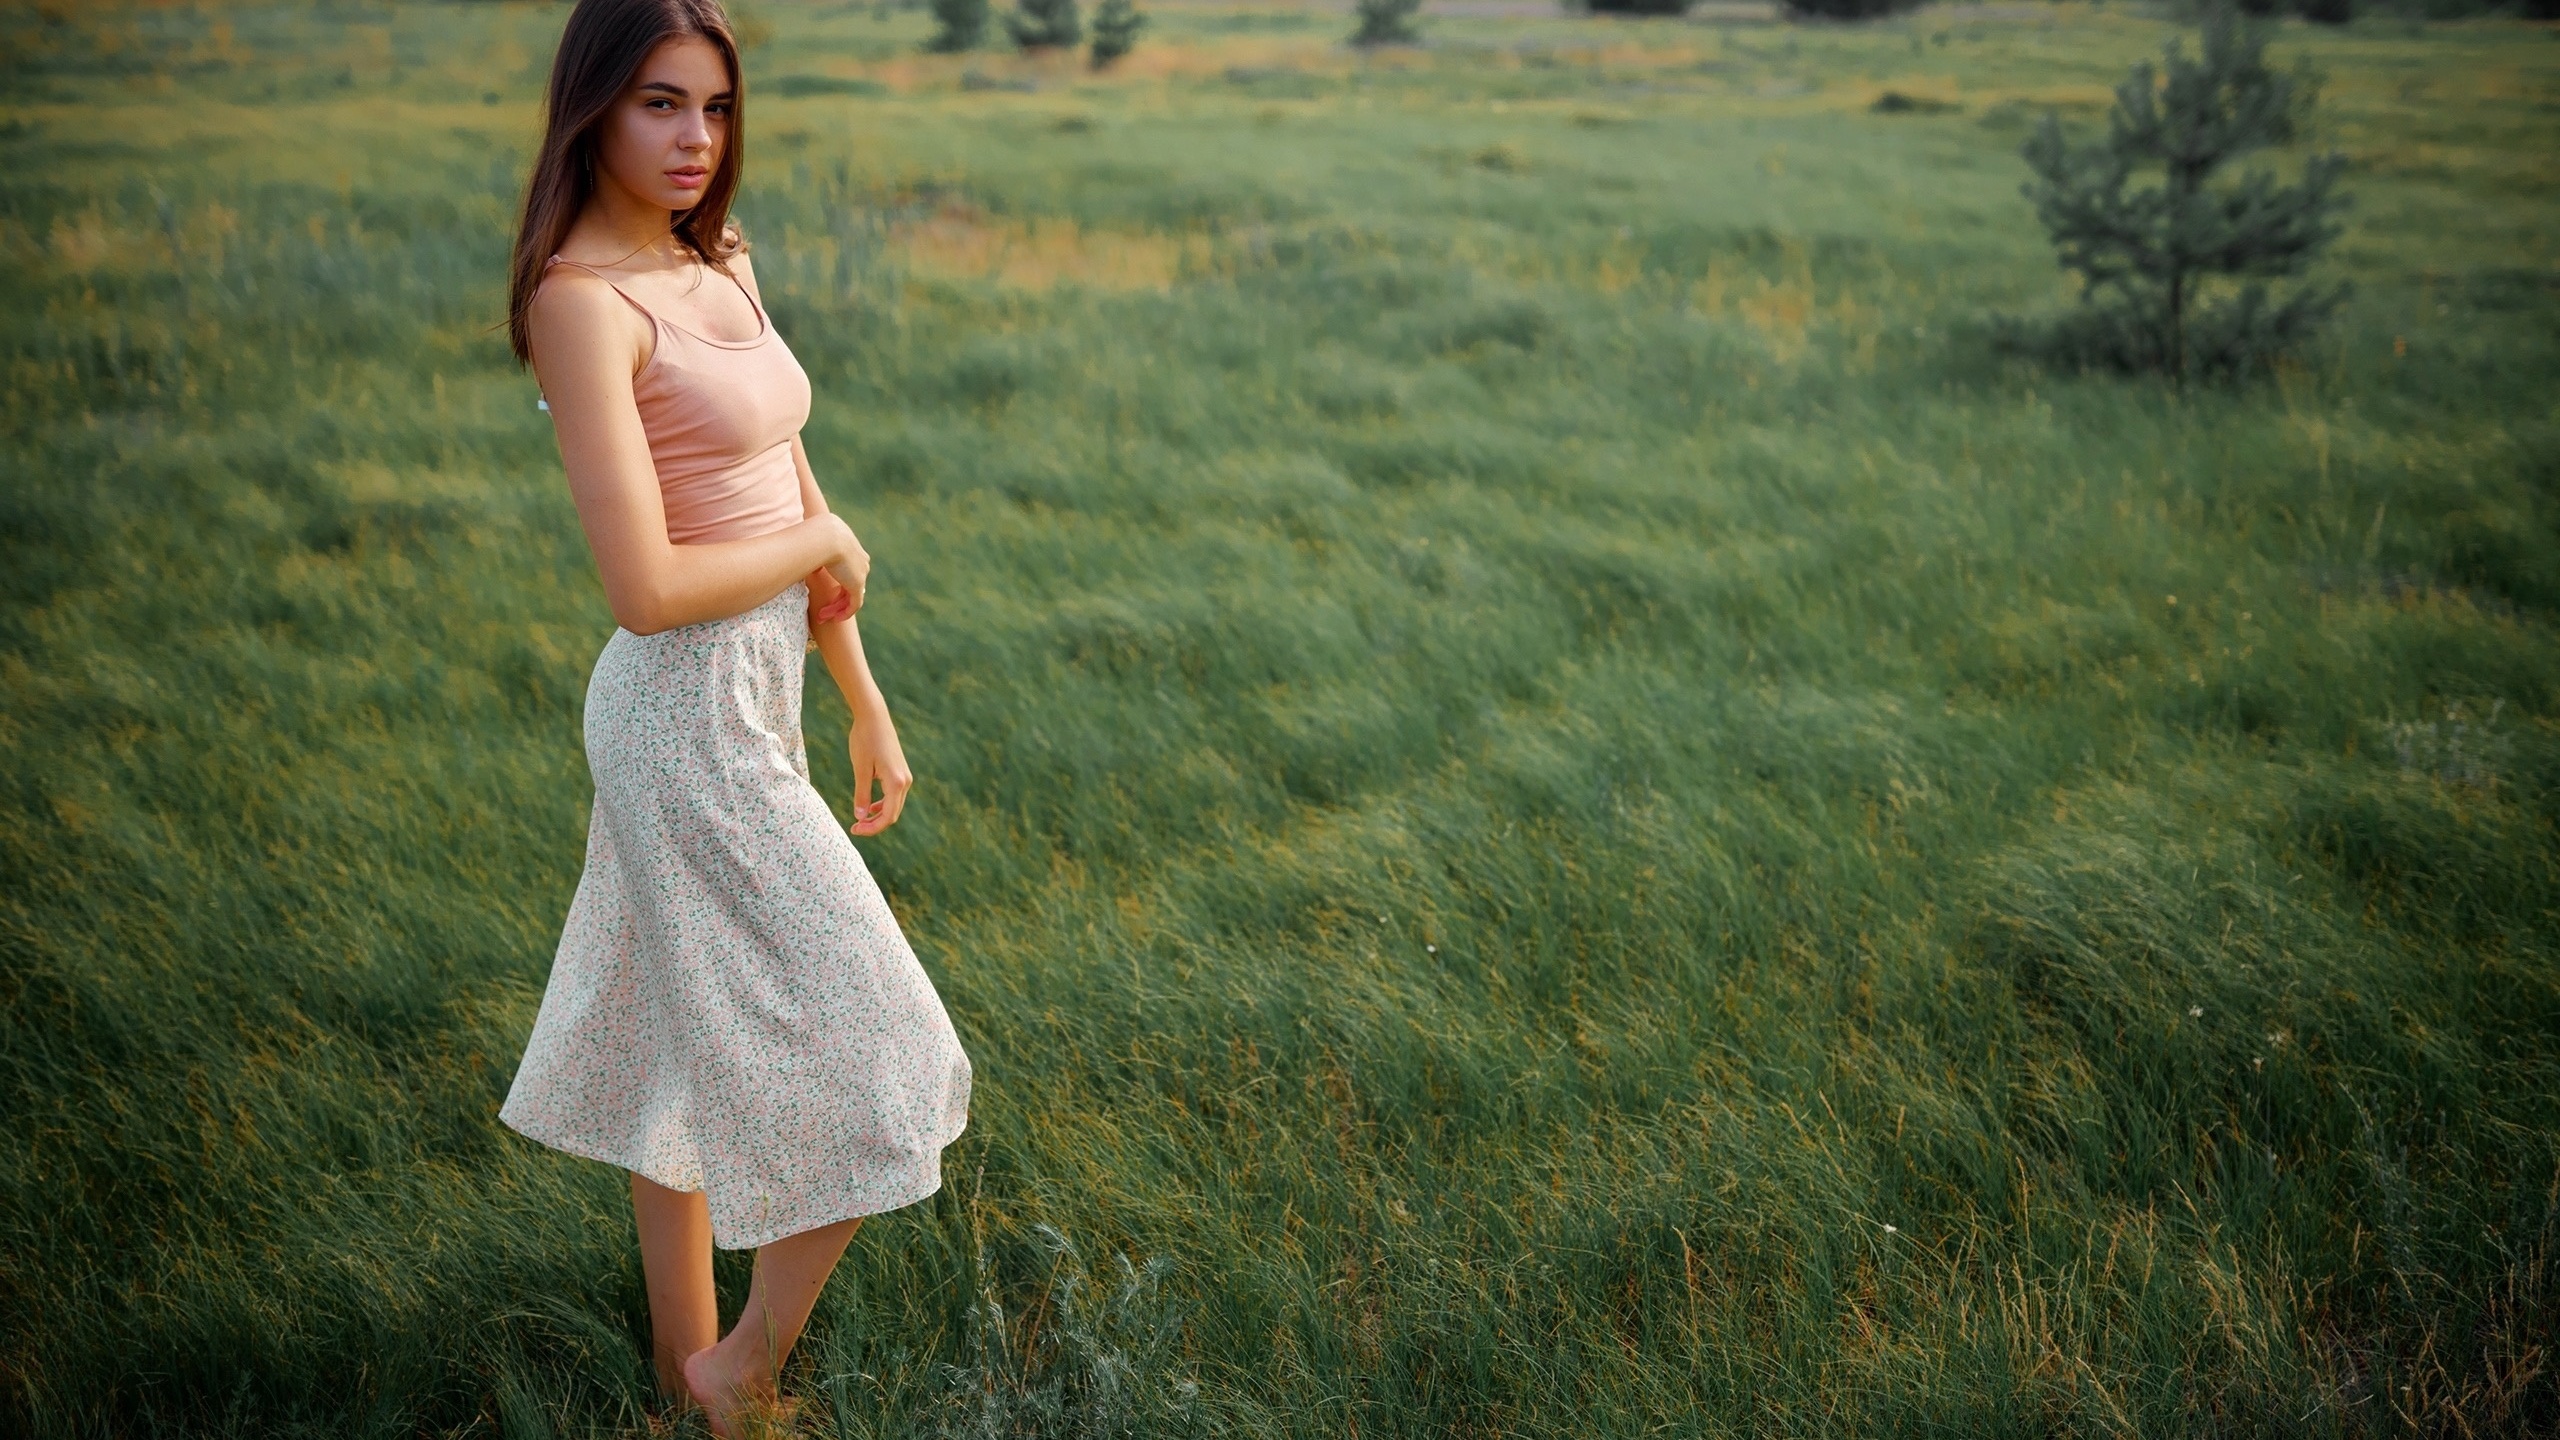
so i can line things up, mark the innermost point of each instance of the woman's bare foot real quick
(734, 1380)
(739, 1400)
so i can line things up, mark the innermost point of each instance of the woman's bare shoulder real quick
(578, 309)
(573, 297)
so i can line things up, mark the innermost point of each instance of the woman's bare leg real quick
(741, 1374)
(675, 1255)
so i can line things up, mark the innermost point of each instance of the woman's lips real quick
(687, 179)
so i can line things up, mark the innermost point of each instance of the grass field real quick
(1535, 773)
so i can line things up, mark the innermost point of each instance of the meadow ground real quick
(1536, 774)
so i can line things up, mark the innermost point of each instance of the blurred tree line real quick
(1056, 24)
(1037, 25)
(2325, 12)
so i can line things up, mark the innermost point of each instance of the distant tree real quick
(2174, 274)
(1044, 24)
(1386, 22)
(1115, 31)
(1638, 7)
(2319, 12)
(958, 25)
(1849, 9)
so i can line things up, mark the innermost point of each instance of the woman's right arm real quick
(587, 344)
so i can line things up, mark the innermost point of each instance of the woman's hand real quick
(852, 565)
(828, 601)
(877, 760)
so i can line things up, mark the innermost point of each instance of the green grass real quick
(1533, 769)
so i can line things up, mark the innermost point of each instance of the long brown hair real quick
(600, 50)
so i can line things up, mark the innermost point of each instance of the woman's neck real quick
(617, 223)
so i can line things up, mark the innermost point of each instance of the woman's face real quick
(663, 138)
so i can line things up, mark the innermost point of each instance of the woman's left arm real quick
(873, 742)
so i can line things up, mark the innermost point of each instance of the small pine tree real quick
(1386, 22)
(959, 25)
(1044, 24)
(2149, 259)
(1115, 31)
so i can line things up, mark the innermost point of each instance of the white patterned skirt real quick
(732, 1008)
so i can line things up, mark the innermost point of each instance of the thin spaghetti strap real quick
(599, 274)
(762, 324)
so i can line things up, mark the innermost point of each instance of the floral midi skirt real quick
(732, 1008)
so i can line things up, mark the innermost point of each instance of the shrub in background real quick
(1849, 9)
(2319, 12)
(2337, 12)
(2174, 276)
(1115, 31)
(958, 25)
(1386, 22)
(1044, 24)
(1638, 7)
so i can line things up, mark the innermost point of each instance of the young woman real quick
(733, 1015)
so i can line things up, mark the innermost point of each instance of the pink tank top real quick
(720, 415)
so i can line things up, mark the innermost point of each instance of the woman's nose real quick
(695, 134)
